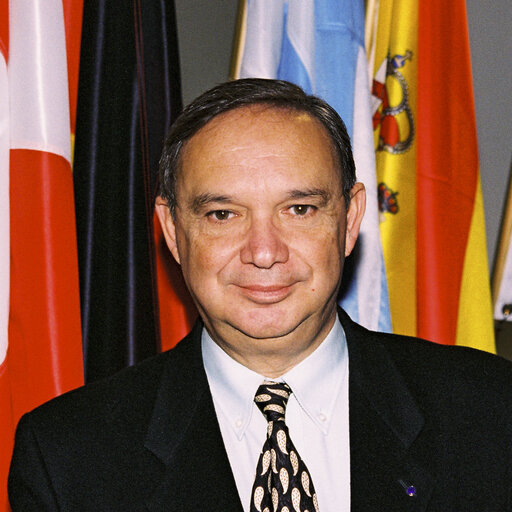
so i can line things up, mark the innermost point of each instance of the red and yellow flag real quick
(40, 339)
(427, 166)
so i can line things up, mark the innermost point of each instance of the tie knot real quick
(271, 398)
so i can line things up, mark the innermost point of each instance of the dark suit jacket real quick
(436, 418)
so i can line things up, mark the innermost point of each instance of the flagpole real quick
(370, 35)
(239, 37)
(504, 243)
(371, 9)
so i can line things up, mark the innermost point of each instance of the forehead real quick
(275, 118)
(257, 132)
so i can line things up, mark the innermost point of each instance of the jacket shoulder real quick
(417, 356)
(451, 378)
(429, 369)
(89, 446)
(124, 399)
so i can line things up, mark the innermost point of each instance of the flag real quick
(428, 176)
(129, 92)
(40, 340)
(319, 45)
(7, 424)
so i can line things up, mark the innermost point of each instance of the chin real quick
(265, 324)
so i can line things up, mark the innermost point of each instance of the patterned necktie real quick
(282, 482)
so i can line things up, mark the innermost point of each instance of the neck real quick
(273, 357)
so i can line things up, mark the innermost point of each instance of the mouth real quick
(265, 294)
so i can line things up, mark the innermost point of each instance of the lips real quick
(265, 294)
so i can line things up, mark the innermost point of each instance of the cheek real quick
(205, 259)
(323, 253)
(320, 245)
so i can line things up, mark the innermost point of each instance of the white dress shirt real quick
(316, 415)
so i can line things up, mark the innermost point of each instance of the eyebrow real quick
(324, 195)
(201, 200)
(198, 202)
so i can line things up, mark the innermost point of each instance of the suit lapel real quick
(384, 424)
(184, 434)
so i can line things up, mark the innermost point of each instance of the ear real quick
(355, 215)
(168, 225)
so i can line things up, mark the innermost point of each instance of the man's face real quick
(260, 230)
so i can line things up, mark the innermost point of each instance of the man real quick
(259, 205)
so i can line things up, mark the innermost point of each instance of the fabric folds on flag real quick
(40, 339)
(427, 166)
(319, 45)
(129, 92)
(7, 424)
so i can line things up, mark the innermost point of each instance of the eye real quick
(302, 209)
(220, 215)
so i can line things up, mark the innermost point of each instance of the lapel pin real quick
(410, 490)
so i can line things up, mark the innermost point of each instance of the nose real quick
(264, 245)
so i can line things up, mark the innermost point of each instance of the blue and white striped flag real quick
(319, 45)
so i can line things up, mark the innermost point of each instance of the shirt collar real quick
(233, 385)
(317, 381)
